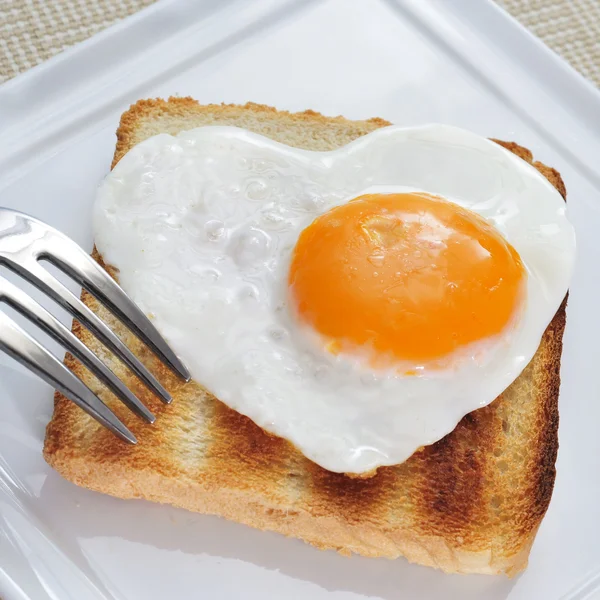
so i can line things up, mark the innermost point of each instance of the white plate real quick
(464, 63)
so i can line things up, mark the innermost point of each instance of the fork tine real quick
(22, 347)
(36, 274)
(75, 262)
(28, 307)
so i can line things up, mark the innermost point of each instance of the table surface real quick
(32, 31)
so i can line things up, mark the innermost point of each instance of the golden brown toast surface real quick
(472, 502)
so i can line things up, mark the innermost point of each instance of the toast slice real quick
(471, 503)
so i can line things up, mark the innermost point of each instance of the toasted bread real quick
(471, 503)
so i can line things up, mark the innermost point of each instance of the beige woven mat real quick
(32, 31)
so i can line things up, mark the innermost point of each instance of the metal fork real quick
(24, 241)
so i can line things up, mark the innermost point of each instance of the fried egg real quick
(357, 302)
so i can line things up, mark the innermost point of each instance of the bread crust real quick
(471, 503)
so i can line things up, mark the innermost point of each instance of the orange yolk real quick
(409, 276)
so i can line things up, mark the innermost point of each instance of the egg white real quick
(202, 226)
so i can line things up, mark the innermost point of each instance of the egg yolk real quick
(409, 276)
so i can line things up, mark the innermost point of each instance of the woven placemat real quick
(32, 31)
